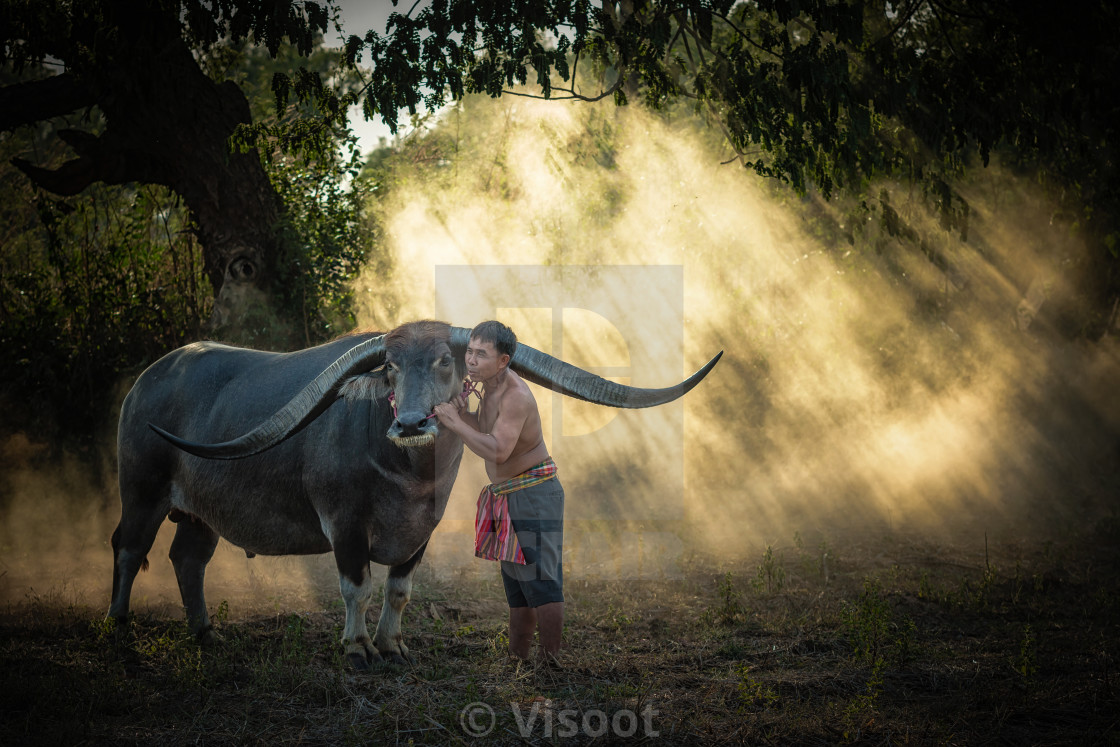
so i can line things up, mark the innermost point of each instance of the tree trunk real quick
(183, 129)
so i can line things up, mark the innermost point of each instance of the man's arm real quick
(497, 445)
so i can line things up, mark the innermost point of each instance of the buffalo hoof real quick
(393, 650)
(358, 662)
(361, 655)
(397, 654)
(398, 660)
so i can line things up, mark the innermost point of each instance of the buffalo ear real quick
(373, 385)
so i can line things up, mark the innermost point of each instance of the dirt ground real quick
(876, 639)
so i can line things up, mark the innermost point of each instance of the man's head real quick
(497, 334)
(489, 350)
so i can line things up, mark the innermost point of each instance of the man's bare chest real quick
(487, 416)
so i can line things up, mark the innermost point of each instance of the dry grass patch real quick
(898, 641)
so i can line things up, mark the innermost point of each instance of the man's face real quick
(483, 361)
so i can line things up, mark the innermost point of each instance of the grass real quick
(899, 642)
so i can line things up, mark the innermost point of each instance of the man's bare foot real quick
(548, 660)
(514, 660)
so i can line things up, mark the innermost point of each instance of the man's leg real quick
(522, 624)
(537, 516)
(550, 619)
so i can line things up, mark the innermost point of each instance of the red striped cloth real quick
(494, 538)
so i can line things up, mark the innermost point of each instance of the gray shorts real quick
(537, 515)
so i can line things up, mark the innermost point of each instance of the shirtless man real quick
(524, 493)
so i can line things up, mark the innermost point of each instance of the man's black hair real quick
(497, 334)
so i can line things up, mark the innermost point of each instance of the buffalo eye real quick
(445, 361)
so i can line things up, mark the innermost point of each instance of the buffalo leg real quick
(132, 540)
(356, 585)
(191, 550)
(398, 590)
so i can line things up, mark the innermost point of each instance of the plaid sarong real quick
(494, 538)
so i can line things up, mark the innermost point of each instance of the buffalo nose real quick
(409, 422)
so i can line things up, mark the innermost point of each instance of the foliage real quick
(96, 286)
(1025, 663)
(314, 166)
(729, 609)
(860, 711)
(812, 85)
(753, 693)
(823, 95)
(617, 620)
(327, 238)
(205, 24)
(138, 69)
(770, 576)
(873, 629)
(300, 113)
(325, 231)
(91, 287)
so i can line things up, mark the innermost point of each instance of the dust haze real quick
(876, 384)
(867, 386)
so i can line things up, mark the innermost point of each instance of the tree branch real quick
(962, 14)
(83, 143)
(903, 19)
(944, 31)
(744, 36)
(577, 96)
(106, 159)
(34, 101)
(67, 180)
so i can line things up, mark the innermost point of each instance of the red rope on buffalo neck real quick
(469, 388)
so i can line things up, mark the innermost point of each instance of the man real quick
(521, 513)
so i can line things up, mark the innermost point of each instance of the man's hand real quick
(448, 414)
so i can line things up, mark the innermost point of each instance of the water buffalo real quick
(325, 462)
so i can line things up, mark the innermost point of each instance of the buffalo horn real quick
(300, 410)
(553, 373)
